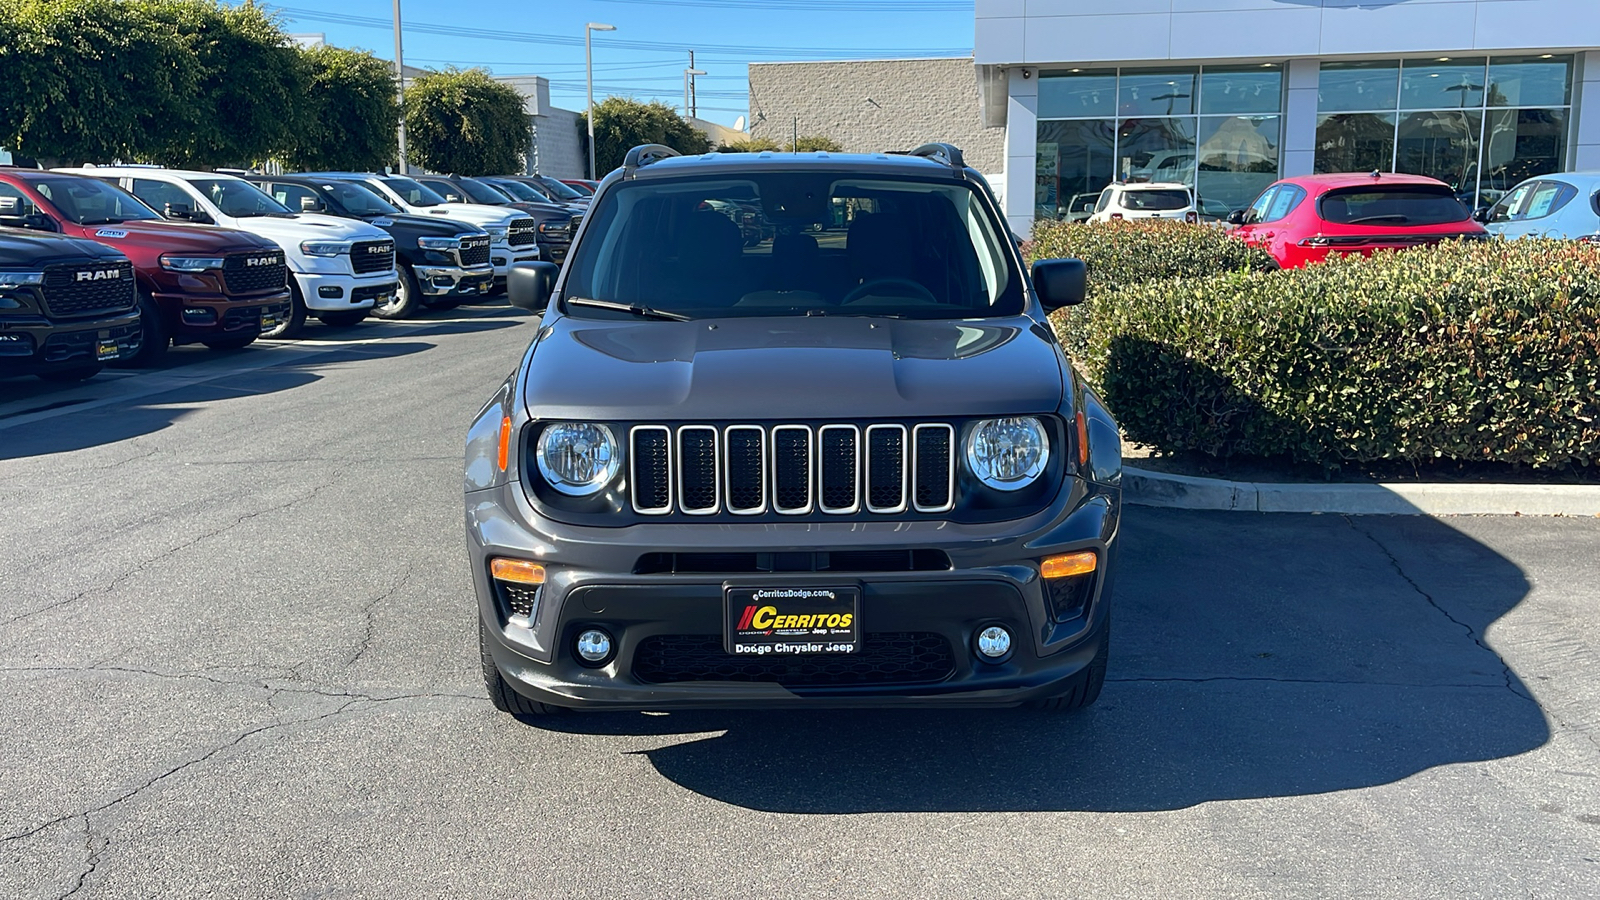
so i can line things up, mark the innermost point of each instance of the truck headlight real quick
(325, 248)
(20, 279)
(578, 458)
(497, 233)
(191, 263)
(1008, 454)
(443, 245)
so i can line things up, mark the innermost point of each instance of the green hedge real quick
(1121, 253)
(1480, 351)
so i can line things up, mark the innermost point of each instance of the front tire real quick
(289, 326)
(154, 341)
(1085, 687)
(501, 694)
(407, 298)
(343, 319)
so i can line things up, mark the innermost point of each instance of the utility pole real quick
(688, 76)
(693, 99)
(400, 83)
(588, 64)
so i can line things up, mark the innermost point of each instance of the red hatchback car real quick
(1303, 220)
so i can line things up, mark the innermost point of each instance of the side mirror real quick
(20, 212)
(530, 284)
(1483, 214)
(310, 204)
(183, 213)
(1236, 217)
(1060, 282)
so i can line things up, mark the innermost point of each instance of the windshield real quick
(478, 192)
(1155, 200)
(89, 201)
(239, 199)
(789, 244)
(413, 192)
(1409, 204)
(358, 199)
(556, 189)
(520, 191)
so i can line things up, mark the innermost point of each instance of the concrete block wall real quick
(876, 105)
(557, 151)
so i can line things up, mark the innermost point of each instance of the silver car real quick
(1550, 206)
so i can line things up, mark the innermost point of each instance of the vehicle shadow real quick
(1254, 656)
(148, 413)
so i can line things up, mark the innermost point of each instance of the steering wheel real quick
(898, 287)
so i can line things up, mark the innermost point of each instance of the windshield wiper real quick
(102, 221)
(1388, 218)
(643, 312)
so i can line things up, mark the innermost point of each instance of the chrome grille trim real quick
(867, 470)
(633, 469)
(811, 470)
(855, 471)
(716, 465)
(950, 468)
(760, 469)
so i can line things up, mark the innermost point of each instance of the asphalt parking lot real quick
(237, 659)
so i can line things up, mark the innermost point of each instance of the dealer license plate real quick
(269, 322)
(778, 621)
(381, 299)
(106, 350)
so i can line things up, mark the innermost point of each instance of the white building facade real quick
(1230, 95)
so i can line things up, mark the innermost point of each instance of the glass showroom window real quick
(1479, 125)
(1215, 129)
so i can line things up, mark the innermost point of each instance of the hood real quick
(476, 213)
(422, 226)
(26, 248)
(289, 231)
(172, 237)
(791, 368)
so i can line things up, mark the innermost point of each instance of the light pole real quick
(588, 65)
(688, 111)
(400, 82)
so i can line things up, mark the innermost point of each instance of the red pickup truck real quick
(197, 284)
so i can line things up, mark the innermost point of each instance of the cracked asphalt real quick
(237, 659)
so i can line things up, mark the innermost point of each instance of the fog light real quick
(193, 315)
(594, 646)
(994, 642)
(330, 292)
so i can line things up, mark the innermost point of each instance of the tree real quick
(464, 122)
(620, 124)
(353, 113)
(818, 143)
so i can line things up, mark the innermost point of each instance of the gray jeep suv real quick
(844, 465)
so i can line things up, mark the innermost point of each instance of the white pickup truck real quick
(341, 267)
(513, 236)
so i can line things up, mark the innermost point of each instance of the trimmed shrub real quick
(1462, 351)
(1121, 253)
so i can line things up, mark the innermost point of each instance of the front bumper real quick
(993, 579)
(453, 281)
(189, 318)
(503, 256)
(332, 293)
(32, 344)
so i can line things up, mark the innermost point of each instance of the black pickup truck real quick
(68, 306)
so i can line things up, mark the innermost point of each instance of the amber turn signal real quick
(518, 570)
(1083, 440)
(1081, 563)
(505, 441)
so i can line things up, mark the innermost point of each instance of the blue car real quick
(1552, 206)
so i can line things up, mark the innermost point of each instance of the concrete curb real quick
(1146, 488)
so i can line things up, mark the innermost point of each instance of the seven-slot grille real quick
(837, 469)
(367, 257)
(522, 232)
(249, 273)
(473, 250)
(86, 290)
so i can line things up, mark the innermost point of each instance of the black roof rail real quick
(946, 154)
(645, 154)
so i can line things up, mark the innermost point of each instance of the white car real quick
(341, 267)
(513, 235)
(1145, 200)
(1552, 206)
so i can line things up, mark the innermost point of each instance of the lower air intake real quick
(886, 658)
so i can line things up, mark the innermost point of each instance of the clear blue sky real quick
(645, 57)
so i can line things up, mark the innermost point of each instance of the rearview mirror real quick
(530, 284)
(1236, 217)
(1060, 282)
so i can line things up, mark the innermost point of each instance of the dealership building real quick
(1229, 95)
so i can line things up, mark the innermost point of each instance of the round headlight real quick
(578, 458)
(1008, 454)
